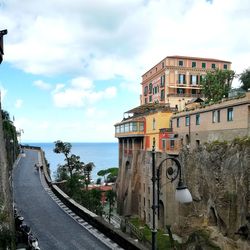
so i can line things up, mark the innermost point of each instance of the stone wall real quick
(6, 208)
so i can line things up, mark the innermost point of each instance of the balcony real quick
(185, 95)
(130, 129)
(181, 82)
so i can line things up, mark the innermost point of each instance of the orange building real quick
(177, 79)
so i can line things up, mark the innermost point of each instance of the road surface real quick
(54, 228)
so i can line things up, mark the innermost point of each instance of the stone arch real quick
(127, 165)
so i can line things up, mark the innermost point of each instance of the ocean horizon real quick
(103, 154)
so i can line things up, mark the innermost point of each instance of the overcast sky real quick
(71, 68)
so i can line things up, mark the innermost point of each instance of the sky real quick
(72, 68)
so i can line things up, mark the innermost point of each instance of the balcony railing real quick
(185, 95)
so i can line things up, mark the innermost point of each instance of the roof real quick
(149, 107)
(198, 58)
(195, 100)
(189, 57)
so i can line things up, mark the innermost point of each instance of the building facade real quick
(177, 79)
(221, 121)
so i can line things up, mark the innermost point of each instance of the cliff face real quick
(218, 176)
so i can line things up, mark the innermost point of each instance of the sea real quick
(104, 155)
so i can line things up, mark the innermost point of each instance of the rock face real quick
(218, 177)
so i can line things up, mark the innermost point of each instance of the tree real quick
(245, 79)
(103, 173)
(112, 176)
(111, 197)
(109, 174)
(63, 148)
(217, 84)
(87, 171)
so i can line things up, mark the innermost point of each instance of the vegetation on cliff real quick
(9, 150)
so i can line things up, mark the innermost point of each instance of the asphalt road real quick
(52, 226)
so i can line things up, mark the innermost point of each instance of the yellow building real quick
(143, 125)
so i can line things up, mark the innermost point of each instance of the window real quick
(187, 120)
(117, 129)
(162, 95)
(162, 80)
(171, 143)
(134, 127)
(180, 91)
(162, 64)
(193, 91)
(197, 119)
(178, 122)
(131, 126)
(180, 63)
(126, 127)
(145, 100)
(230, 114)
(150, 88)
(197, 143)
(182, 79)
(163, 144)
(150, 98)
(193, 79)
(201, 78)
(213, 66)
(155, 89)
(193, 64)
(153, 124)
(141, 127)
(145, 90)
(225, 66)
(216, 116)
(203, 65)
(122, 128)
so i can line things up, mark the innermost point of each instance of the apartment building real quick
(221, 121)
(177, 79)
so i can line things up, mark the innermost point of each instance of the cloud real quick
(42, 85)
(3, 92)
(103, 40)
(18, 103)
(80, 93)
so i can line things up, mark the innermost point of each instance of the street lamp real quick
(182, 193)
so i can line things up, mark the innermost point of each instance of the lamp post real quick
(182, 193)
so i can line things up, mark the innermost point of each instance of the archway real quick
(161, 221)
